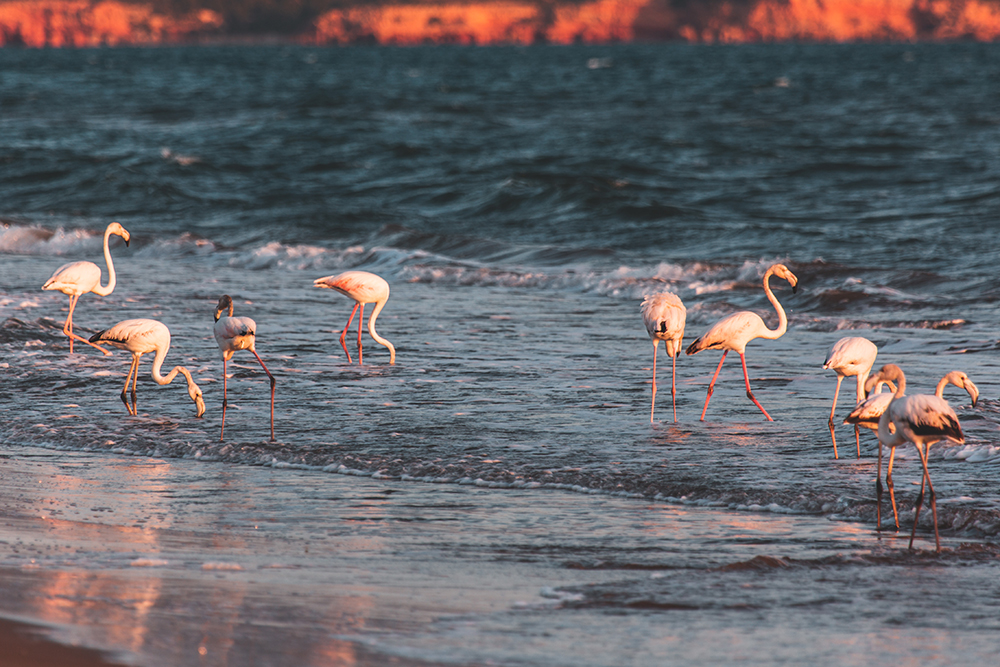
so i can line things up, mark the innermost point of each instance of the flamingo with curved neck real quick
(139, 337)
(77, 278)
(735, 331)
(851, 356)
(233, 334)
(363, 287)
(922, 420)
(869, 414)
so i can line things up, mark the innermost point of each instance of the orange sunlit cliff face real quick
(40, 23)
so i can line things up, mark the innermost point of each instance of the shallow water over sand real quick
(169, 562)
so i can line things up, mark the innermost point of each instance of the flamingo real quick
(922, 420)
(140, 337)
(852, 356)
(233, 334)
(868, 413)
(77, 278)
(364, 288)
(735, 331)
(664, 315)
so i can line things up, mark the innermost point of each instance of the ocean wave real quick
(18, 239)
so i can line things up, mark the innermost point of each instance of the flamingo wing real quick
(869, 410)
(923, 417)
(851, 356)
(235, 333)
(732, 332)
(74, 278)
(362, 286)
(664, 316)
(139, 335)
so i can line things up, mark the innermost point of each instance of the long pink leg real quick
(711, 385)
(135, 381)
(225, 398)
(361, 321)
(272, 388)
(888, 483)
(746, 377)
(920, 499)
(653, 407)
(128, 378)
(673, 384)
(68, 329)
(878, 489)
(840, 378)
(343, 334)
(861, 397)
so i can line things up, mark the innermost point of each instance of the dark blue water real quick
(521, 202)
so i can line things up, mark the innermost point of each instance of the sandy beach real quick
(148, 561)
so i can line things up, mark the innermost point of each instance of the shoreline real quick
(27, 645)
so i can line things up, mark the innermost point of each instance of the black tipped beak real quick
(795, 288)
(126, 243)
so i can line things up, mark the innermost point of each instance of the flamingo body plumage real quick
(233, 334)
(664, 315)
(78, 278)
(733, 332)
(364, 288)
(850, 357)
(139, 337)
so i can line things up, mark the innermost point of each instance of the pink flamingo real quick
(853, 356)
(664, 315)
(869, 412)
(922, 420)
(735, 331)
(364, 288)
(140, 337)
(77, 278)
(234, 334)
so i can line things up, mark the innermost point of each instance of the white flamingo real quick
(735, 331)
(922, 420)
(852, 356)
(364, 288)
(234, 334)
(664, 315)
(869, 412)
(77, 278)
(140, 337)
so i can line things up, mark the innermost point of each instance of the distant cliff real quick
(38, 23)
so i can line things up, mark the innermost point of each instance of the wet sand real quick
(25, 645)
(165, 562)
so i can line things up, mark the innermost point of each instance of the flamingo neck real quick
(112, 279)
(161, 353)
(374, 334)
(862, 379)
(901, 385)
(944, 382)
(782, 319)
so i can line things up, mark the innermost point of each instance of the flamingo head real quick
(782, 271)
(225, 304)
(194, 391)
(962, 381)
(118, 230)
